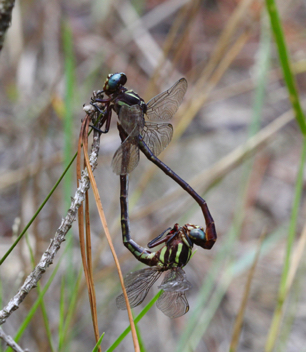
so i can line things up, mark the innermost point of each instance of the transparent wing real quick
(130, 117)
(173, 301)
(164, 105)
(157, 136)
(175, 280)
(126, 157)
(138, 284)
(173, 304)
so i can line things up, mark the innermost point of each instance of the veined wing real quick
(157, 136)
(164, 105)
(173, 301)
(173, 304)
(138, 284)
(175, 280)
(126, 157)
(130, 117)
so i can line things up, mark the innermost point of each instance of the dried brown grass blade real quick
(86, 248)
(109, 239)
(296, 259)
(240, 315)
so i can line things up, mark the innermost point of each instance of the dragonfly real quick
(131, 110)
(171, 258)
(135, 133)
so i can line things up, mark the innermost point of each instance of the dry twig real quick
(48, 256)
(10, 342)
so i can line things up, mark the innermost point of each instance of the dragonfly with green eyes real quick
(132, 110)
(171, 258)
(151, 137)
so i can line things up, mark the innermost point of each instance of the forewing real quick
(130, 117)
(164, 105)
(126, 157)
(138, 284)
(157, 136)
(173, 304)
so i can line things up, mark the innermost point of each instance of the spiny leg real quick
(210, 232)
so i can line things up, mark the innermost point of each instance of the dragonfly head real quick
(197, 235)
(113, 82)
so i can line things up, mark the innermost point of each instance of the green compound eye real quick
(197, 234)
(116, 80)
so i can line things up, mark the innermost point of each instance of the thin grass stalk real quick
(38, 211)
(298, 255)
(145, 310)
(98, 343)
(40, 208)
(36, 305)
(285, 63)
(88, 252)
(239, 318)
(42, 306)
(109, 239)
(283, 290)
(69, 72)
(72, 307)
(61, 335)
(55, 244)
(84, 247)
(69, 103)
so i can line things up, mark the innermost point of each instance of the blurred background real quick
(235, 141)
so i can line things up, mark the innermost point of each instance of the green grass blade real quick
(69, 103)
(282, 294)
(72, 306)
(98, 343)
(61, 334)
(285, 63)
(137, 319)
(36, 304)
(42, 305)
(38, 211)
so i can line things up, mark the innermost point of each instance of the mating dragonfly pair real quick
(151, 137)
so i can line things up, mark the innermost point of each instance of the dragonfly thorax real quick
(175, 253)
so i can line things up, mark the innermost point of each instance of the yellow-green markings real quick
(162, 254)
(178, 252)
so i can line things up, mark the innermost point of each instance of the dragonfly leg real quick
(155, 241)
(105, 120)
(142, 254)
(211, 234)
